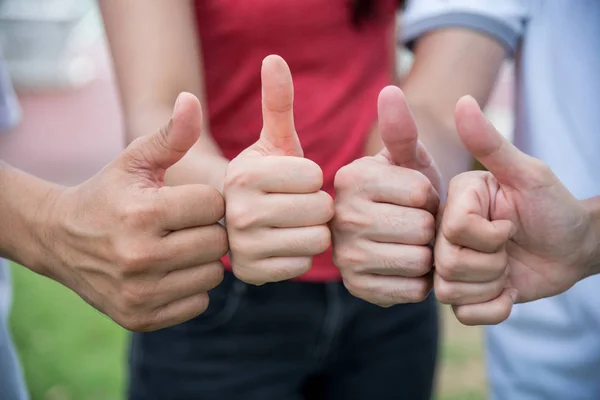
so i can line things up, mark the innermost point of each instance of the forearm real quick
(448, 64)
(155, 48)
(26, 202)
(593, 254)
(438, 133)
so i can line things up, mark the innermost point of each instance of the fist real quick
(276, 214)
(143, 253)
(511, 234)
(384, 213)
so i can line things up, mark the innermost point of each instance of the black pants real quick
(288, 341)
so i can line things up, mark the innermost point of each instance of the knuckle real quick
(134, 324)
(350, 176)
(243, 246)
(464, 317)
(328, 206)
(219, 240)
(415, 264)
(423, 261)
(346, 219)
(348, 257)
(285, 272)
(497, 265)
(448, 265)
(444, 292)
(241, 174)
(203, 301)
(134, 296)
(247, 274)
(312, 172)
(419, 190)
(143, 153)
(421, 290)
(239, 215)
(138, 213)
(321, 241)
(357, 286)
(454, 227)
(425, 226)
(415, 291)
(134, 259)
(214, 201)
(214, 275)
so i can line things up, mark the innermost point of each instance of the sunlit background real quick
(71, 126)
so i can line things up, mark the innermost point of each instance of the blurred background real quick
(69, 127)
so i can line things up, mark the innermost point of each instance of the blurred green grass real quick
(70, 351)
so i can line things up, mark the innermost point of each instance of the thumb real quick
(278, 136)
(400, 136)
(509, 165)
(164, 148)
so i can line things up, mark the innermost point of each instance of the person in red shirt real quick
(303, 335)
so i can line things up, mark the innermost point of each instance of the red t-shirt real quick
(338, 71)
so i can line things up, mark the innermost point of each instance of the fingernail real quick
(514, 294)
(176, 105)
(513, 231)
(423, 157)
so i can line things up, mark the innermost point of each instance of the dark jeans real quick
(288, 341)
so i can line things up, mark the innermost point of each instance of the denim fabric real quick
(289, 340)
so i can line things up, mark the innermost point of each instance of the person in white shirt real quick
(548, 349)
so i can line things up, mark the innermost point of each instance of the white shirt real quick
(549, 349)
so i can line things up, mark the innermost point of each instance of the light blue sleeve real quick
(10, 111)
(504, 20)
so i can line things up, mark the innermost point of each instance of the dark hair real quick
(362, 10)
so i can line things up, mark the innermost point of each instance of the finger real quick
(387, 184)
(465, 221)
(476, 232)
(403, 225)
(387, 259)
(461, 293)
(174, 313)
(189, 247)
(182, 283)
(279, 133)
(461, 264)
(294, 210)
(284, 242)
(275, 269)
(190, 206)
(159, 151)
(276, 174)
(489, 313)
(389, 290)
(397, 127)
(509, 165)
(399, 134)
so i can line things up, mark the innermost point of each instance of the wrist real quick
(29, 203)
(592, 249)
(197, 167)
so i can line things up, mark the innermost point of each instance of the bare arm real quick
(593, 207)
(155, 48)
(374, 143)
(448, 64)
(115, 238)
(25, 204)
